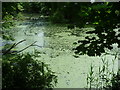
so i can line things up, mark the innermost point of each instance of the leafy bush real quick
(23, 71)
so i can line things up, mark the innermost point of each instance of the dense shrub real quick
(23, 71)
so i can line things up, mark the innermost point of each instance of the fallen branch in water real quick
(37, 45)
(27, 47)
(15, 44)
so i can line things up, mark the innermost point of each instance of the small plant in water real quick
(105, 78)
(90, 77)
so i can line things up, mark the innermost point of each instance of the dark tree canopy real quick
(105, 19)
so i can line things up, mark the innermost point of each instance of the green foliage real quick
(20, 7)
(8, 21)
(11, 8)
(106, 78)
(20, 16)
(11, 11)
(90, 77)
(68, 13)
(115, 81)
(57, 17)
(8, 17)
(105, 19)
(7, 24)
(32, 7)
(24, 71)
(8, 37)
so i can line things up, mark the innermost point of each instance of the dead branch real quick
(15, 44)
(27, 47)
(20, 42)
(37, 45)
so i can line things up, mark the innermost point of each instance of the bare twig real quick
(15, 44)
(27, 47)
(20, 42)
(37, 45)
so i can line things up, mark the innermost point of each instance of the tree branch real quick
(15, 44)
(27, 47)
